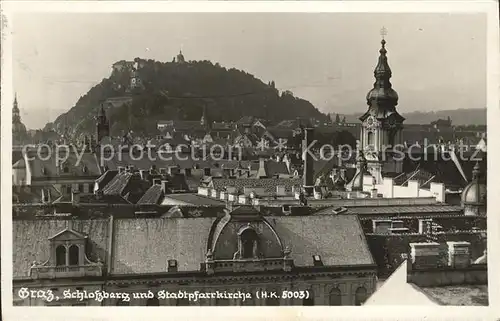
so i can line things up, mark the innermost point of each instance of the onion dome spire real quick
(382, 92)
(476, 172)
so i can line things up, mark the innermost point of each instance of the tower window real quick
(370, 138)
(60, 255)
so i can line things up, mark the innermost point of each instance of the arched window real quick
(370, 138)
(309, 301)
(182, 302)
(360, 296)
(74, 253)
(60, 255)
(249, 244)
(153, 302)
(335, 297)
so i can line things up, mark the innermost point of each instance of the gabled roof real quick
(71, 232)
(154, 195)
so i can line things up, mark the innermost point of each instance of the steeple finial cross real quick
(383, 32)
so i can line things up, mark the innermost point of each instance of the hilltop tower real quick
(180, 58)
(382, 125)
(102, 124)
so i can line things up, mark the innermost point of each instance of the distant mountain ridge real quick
(139, 93)
(469, 116)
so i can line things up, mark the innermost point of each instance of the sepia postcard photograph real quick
(285, 154)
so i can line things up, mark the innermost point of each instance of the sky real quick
(438, 61)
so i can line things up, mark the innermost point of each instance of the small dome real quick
(475, 192)
(382, 94)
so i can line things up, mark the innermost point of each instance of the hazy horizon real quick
(438, 60)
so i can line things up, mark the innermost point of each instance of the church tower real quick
(102, 124)
(18, 129)
(381, 125)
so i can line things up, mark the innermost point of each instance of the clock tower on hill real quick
(382, 126)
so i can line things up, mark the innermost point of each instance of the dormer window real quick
(248, 244)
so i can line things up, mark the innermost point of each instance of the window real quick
(74, 253)
(249, 244)
(335, 297)
(68, 190)
(360, 296)
(370, 138)
(153, 302)
(60, 255)
(66, 169)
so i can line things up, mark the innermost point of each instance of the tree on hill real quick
(229, 94)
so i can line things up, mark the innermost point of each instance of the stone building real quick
(241, 250)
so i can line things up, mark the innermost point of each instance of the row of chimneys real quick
(428, 255)
(172, 170)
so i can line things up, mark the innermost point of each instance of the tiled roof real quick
(33, 194)
(154, 195)
(269, 184)
(339, 239)
(105, 178)
(365, 210)
(87, 166)
(158, 240)
(191, 199)
(30, 240)
(117, 184)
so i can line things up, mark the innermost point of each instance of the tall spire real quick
(16, 117)
(476, 172)
(382, 91)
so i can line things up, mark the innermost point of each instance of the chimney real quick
(308, 162)
(207, 171)
(121, 169)
(459, 254)
(262, 173)
(424, 255)
(143, 173)
(164, 186)
(75, 197)
(172, 266)
(157, 181)
(173, 170)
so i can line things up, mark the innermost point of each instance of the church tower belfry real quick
(382, 125)
(102, 124)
